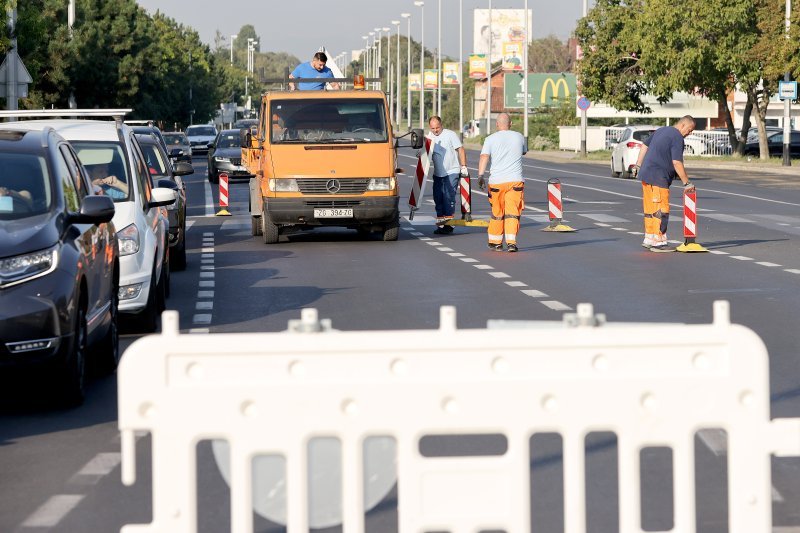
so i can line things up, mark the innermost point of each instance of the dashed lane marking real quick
(768, 264)
(599, 217)
(469, 260)
(556, 305)
(53, 510)
(499, 275)
(516, 284)
(98, 467)
(484, 267)
(203, 318)
(741, 258)
(534, 293)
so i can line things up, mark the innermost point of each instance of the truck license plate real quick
(333, 213)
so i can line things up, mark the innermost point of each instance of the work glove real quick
(481, 183)
(464, 172)
(688, 186)
(635, 171)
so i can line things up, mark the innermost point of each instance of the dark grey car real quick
(178, 147)
(225, 155)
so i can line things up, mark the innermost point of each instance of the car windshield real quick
(24, 186)
(175, 138)
(196, 131)
(155, 161)
(328, 121)
(229, 140)
(105, 161)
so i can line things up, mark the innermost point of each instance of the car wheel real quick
(255, 226)
(614, 173)
(73, 380)
(178, 257)
(148, 318)
(392, 231)
(107, 350)
(270, 233)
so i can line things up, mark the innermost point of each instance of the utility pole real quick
(489, 76)
(787, 102)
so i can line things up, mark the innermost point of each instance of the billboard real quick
(508, 25)
(431, 79)
(415, 82)
(512, 56)
(450, 73)
(543, 89)
(477, 66)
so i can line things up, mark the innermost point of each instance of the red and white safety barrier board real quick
(420, 177)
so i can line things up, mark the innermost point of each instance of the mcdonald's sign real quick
(543, 89)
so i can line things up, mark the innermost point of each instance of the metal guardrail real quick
(269, 394)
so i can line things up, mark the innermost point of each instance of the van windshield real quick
(328, 121)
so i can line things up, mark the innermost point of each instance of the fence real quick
(700, 142)
(270, 393)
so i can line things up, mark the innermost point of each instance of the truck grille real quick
(332, 186)
(337, 204)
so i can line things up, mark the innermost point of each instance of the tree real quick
(549, 54)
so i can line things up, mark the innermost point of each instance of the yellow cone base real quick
(690, 247)
(222, 213)
(561, 228)
(475, 222)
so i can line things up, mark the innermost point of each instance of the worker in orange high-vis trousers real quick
(504, 149)
(660, 162)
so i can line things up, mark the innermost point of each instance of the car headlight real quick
(284, 185)
(128, 239)
(381, 184)
(28, 266)
(222, 159)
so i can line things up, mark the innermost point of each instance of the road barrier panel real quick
(223, 195)
(690, 224)
(555, 207)
(420, 175)
(270, 394)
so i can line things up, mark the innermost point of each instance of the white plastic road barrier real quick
(270, 393)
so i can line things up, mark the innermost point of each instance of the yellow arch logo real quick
(555, 86)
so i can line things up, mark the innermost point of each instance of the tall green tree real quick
(549, 54)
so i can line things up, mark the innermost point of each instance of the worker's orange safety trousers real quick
(508, 201)
(656, 213)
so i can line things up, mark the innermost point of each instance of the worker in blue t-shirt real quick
(660, 162)
(313, 69)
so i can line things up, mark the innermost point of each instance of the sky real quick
(300, 27)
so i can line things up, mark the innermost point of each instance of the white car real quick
(116, 166)
(200, 136)
(626, 151)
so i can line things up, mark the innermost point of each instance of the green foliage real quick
(549, 54)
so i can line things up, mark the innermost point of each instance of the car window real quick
(210, 131)
(154, 160)
(105, 162)
(228, 140)
(24, 186)
(642, 135)
(74, 170)
(142, 175)
(175, 138)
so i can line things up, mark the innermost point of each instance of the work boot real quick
(496, 247)
(512, 248)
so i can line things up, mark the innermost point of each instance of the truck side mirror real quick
(417, 138)
(245, 138)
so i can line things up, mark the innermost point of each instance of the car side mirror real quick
(161, 196)
(182, 168)
(211, 145)
(96, 209)
(417, 138)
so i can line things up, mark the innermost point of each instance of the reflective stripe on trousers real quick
(656, 211)
(508, 201)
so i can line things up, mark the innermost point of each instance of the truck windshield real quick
(328, 121)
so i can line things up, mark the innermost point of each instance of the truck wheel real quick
(255, 226)
(390, 233)
(269, 231)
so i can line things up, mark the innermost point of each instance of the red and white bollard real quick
(223, 195)
(690, 224)
(555, 209)
(465, 189)
(418, 186)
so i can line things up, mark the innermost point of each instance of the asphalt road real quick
(59, 469)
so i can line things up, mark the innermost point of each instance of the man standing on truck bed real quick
(449, 162)
(313, 69)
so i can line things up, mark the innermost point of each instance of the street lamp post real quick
(421, 5)
(233, 38)
(787, 103)
(439, 65)
(461, 69)
(525, 76)
(489, 77)
(397, 76)
(363, 57)
(407, 16)
(388, 58)
(378, 63)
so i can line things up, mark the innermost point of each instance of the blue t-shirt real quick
(305, 70)
(505, 149)
(664, 146)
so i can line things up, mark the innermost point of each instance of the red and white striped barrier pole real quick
(418, 186)
(690, 224)
(223, 195)
(465, 188)
(555, 209)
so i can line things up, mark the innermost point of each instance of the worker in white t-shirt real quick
(449, 163)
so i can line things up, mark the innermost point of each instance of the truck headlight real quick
(27, 266)
(381, 184)
(128, 239)
(283, 185)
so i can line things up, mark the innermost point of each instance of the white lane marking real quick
(556, 305)
(721, 217)
(420, 220)
(209, 199)
(636, 233)
(206, 267)
(204, 305)
(434, 243)
(206, 256)
(768, 264)
(200, 330)
(208, 250)
(98, 467)
(516, 284)
(202, 318)
(207, 261)
(484, 267)
(601, 224)
(205, 294)
(499, 275)
(469, 260)
(50, 513)
(417, 234)
(600, 217)
(715, 439)
(741, 257)
(206, 275)
(445, 249)
(792, 271)
(425, 239)
(189, 224)
(456, 254)
(208, 234)
(719, 252)
(620, 229)
(534, 293)
(206, 284)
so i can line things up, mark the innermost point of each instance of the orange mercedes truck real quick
(324, 158)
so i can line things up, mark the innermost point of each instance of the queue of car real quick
(89, 215)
